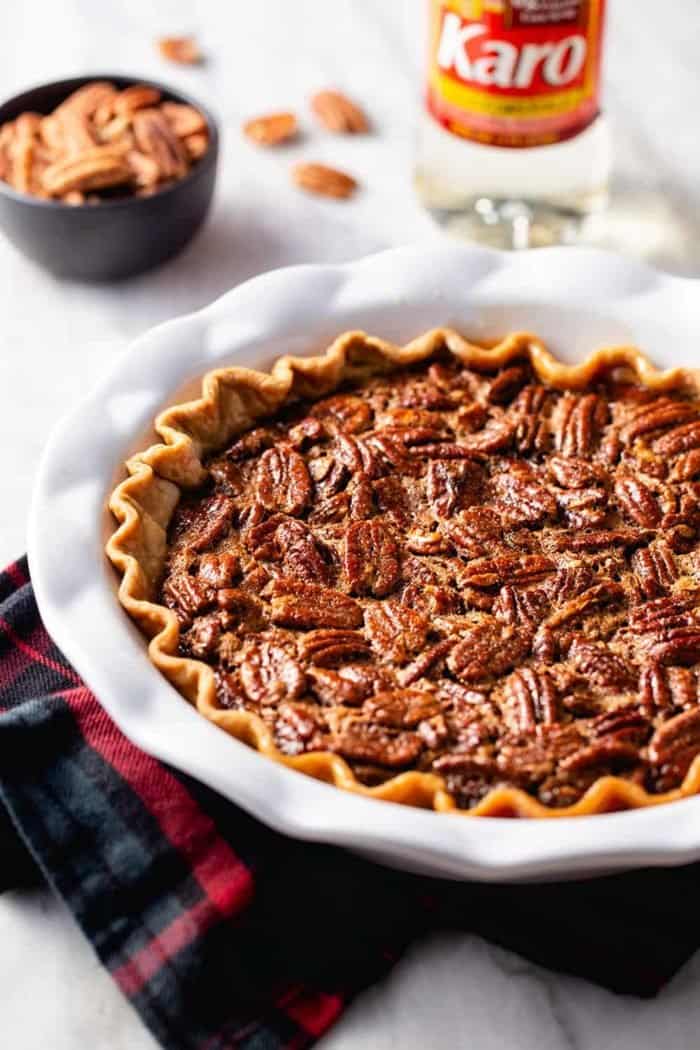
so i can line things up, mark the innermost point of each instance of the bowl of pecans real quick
(104, 177)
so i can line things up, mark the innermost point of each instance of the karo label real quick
(515, 72)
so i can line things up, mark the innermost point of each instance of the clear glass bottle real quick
(513, 150)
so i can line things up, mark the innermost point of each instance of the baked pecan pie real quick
(441, 574)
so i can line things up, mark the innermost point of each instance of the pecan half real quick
(474, 531)
(186, 595)
(624, 724)
(293, 544)
(306, 433)
(144, 169)
(253, 443)
(468, 776)
(365, 742)
(349, 686)
(655, 569)
(452, 486)
(601, 665)
(531, 428)
(442, 450)
(637, 502)
(282, 480)
(371, 558)
(598, 539)
(343, 414)
(395, 630)
(520, 606)
(205, 523)
(136, 96)
(680, 645)
(662, 413)
(183, 50)
(680, 439)
(97, 168)
(686, 466)
(427, 661)
(530, 699)
(664, 614)
(485, 652)
(519, 568)
(219, 570)
(271, 129)
(603, 755)
(584, 508)
(328, 648)
(76, 132)
(568, 582)
(269, 674)
(358, 456)
(241, 607)
(523, 499)
(88, 99)
(323, 181)
(338, 113)
(306, 605)
(184, 120)
(229, 691)
(202, 639)
(577, 422)
(674, 745)
(298, 729)
(572, 473)
(196, 145)
(155, 137)
(496, 436)
(401, 708)
(302, 555)
(600, 594)
(663, 688)
(507, 384)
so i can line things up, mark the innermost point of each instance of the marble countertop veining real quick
(451, 990)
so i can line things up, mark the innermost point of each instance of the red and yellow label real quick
(515, 73)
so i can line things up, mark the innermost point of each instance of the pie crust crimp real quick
(467, 581)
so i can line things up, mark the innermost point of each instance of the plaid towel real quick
(225, 934)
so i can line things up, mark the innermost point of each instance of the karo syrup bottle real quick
(513, 149)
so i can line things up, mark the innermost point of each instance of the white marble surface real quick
(57, 338)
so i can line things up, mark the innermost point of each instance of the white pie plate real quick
(576, 299)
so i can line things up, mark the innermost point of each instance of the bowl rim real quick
(72, 84)
(75, 590)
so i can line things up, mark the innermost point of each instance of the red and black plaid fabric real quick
(224, 934)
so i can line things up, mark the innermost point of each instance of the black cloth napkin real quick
(225, 934)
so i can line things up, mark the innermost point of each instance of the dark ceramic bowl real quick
(116, 238)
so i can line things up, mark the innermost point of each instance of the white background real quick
(57, 337)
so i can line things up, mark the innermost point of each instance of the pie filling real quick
(468, 574)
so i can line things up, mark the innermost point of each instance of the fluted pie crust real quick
(233, 401)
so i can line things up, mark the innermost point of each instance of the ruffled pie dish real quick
(665, 722)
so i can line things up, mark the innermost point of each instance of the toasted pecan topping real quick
(458, 572)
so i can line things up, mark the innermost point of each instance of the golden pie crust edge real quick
(233, 400)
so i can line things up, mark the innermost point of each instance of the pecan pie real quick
(445, 575)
